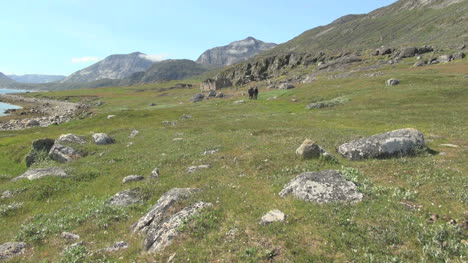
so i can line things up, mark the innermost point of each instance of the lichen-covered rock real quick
(396, 143)
(163, 234)
(42, 172)
(154, 173)
(392, 82)
(272, 216)
(156, 213)
(63, 154)
(102, 139)
(193, 169)
(322, 187)
(69, 236)
(310, 150)
(132, 178)
(70, 138)
(126, 198)
(11, 249)
(38, 146)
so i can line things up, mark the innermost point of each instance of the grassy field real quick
(263, 136)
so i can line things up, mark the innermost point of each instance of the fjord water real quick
(6, 106)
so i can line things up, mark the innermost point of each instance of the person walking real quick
(251, 93)
(256, 93)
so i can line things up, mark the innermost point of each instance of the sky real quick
(63, 36)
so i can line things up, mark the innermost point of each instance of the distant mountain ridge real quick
(112, 67)
(235, 52)
(4, 80)
(36, 78)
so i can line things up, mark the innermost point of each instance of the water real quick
(6, 106)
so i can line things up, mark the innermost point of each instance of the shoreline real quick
(37, 112)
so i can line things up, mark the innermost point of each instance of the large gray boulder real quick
(197, 97)
(132, 178)
(156, 213)
(63, 154)
(163, 234)
(396, 143)
(322, 187)
(126, 198)
(70, 138)
(38, 146)
(11, 249)
(310, 150)
(42, 172)
(102, 139)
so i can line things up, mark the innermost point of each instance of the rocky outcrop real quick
(234, 52)
(162, 235)
(310, 150)
(42, 172)
(413, 51)
(215, 84)
(11, 249)
(272, 216)
(38, 147)
(116, 247)
(126, 198)
(102, 139)
(63, 154)
(322, 187)
(71, 138)
(132, 178)
(193, 169)
(396, 143)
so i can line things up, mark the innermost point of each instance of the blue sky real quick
(62, 36)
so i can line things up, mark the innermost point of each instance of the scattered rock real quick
(71, 138)
(11, 249)
(63, 154)
(327, 103)
(193, 169)
(459, 55)
(209, 152)
(69, 236)
(310, 150)
(444, 58)
(116, 247)
(239, 101)
(322, 187)
(392, 82)
(220, 95)
(185, 117)
(110, 116)
(419, 64)
(154, 173)
(197, 97)
(286, 86)
(5, 209)
(272, 216)
(32, 123)
(212, 93)
(42, 172)
(433, 218)
(169, 123)
(132, 178)
(152, 104)
(155, 214)
(449, 145)
(133, 134)
(38, 146)
(163, 234)
(7, 194)
(126, 198)
(396, 143)
(102, 139)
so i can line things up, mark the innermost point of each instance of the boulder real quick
(71, 138)
(163, 234)
(69, 236)
(126, 198)
(154, 173)
(133, 134)
(444, 58)
(185, 117)
(42, 172)
(286, 86)
(458, 55)
(310, 150)
(396, 143)
(408, 52)
(272, 216)
(38, 146)
(102, 139)
(392, 82)
(322, 187)
(220, 95)
(156, 213)
(11, 249)
(63, 154)
(32, 123)
(197, 97)
(212, 93)
(132, 178)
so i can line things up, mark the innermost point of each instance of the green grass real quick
(263, 136)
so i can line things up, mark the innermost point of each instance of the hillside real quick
(112, 67)
(36, 78)
(439, 23)
(234, 52)
(4, 80)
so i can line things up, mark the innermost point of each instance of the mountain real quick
(112, 67)
(404, 23)
(4, 80)
(171, 69)
(233, 53)
(36, 78)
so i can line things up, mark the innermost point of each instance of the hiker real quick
(251, 93)
(256, 93)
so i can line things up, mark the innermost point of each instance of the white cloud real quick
(154, 58)
(84, 59)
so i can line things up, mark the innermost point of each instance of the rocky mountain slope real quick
(404, 23)
(234, 52)
(112, 67)
(4, 80)
(36, 78)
